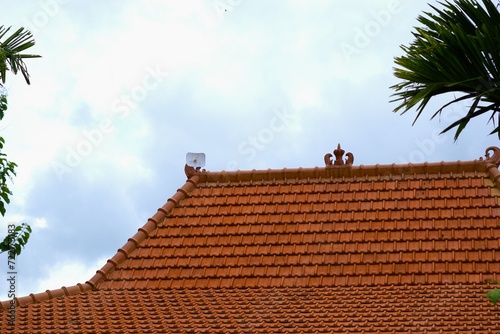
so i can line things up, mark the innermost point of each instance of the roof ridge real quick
(338, 168)
(121, 255)
(48, 294)
(342, 171)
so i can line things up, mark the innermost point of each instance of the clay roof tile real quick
(374, 249)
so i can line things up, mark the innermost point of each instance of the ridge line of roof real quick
(121, 255)
(343, 171)
(48, 294)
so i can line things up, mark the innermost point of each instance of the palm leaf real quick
(457, 49)
(11, 57)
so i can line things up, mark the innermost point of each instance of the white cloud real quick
(36, 223)
(40, 223)
(67, 273)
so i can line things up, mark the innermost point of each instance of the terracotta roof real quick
(439, 308)
(340, 248)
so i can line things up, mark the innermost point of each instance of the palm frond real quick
(11, 57)
(457, 49)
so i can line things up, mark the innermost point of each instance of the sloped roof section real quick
(431, 223)
(373, 249)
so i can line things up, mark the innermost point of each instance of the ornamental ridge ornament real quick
(191, 171)
(338, 162)
(495, 159)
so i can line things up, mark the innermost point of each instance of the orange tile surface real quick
(284, 232)
(357, 249)
(442, 308)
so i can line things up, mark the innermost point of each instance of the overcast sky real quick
(126, 88)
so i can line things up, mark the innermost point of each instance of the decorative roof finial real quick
(338, 162)
(495, 159)
(190, 171)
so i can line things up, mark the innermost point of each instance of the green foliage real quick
(493, 295)
(7, 168)
(456, 51)
(3, 105)
(15, 240)
(11, 57)
(7, 171)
